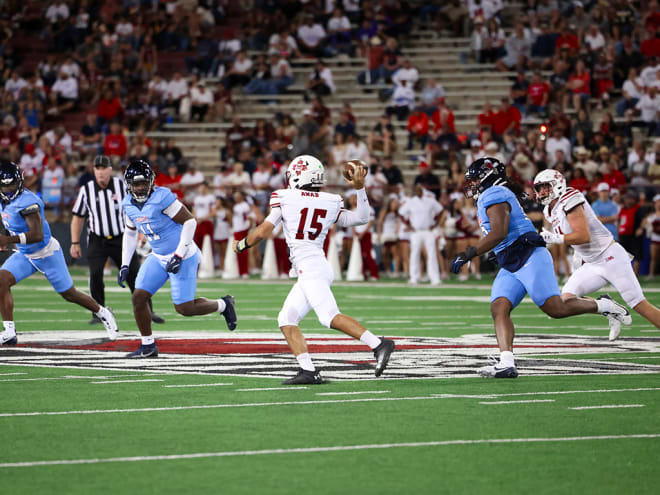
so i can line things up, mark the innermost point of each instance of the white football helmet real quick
(305, 170)
(556, 182)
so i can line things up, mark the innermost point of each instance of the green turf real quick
(410, 411)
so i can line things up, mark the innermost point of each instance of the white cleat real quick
(108, 320)
(617, 315)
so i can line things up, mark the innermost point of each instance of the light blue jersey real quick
(161, 231)
(519, 224)
(163, 235)
(14, 221)
(533, 273)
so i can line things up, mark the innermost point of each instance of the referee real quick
(100, 200)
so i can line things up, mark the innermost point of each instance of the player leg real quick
(294, 309)
(506, 294)
(316, 288)
(14, 269)
(184, 286)
(55, 269)
(415, 254)
(432, 258)
(96, 257)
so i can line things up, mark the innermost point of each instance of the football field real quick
(210, 414)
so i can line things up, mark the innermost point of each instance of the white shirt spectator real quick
(230, 46)
(553, 144)
(515, 47)
(485, 8)
(260, 178)
(351, 6)
(358, 150)
(326, 75)
(202, 205)
(201, 97)
(633, 157)
(15, 85)
(239, 180)
(648, 74)
(73, 69)
(311, 35)
(177, 89)
(241, 217)
(411, 75)
(281, 68)
(57, 11)
(421, 212)
(648, 107)
(403, 96)
(339, 24)
(631, 90)
(595, 42)
(31, 165)
(192, 179)
(124, 29)
(82, 20)
(158, 86)
(65, 141)
(51, 185)
(275, 40)
(67, 88)
(243, 66)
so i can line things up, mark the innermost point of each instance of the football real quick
(348, 168)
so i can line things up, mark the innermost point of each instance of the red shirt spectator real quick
(486, 118)
(650, 47)
(418, 123)
(171, 180)
(614, 178)
(581, 184)
(627, 220)
(8, 137)
(443, 120)
(115, 142)
(506, 119)
(109, 108)
(567, 40)
(585, 87)
(538, 92)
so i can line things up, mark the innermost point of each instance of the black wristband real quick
(75, 243)
(470, 252)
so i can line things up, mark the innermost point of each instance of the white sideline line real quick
(310, 402)
(306, 450)
(7, 374)
(355, 393)
(269, 388)
(198, 385)
(128, 381)
(517, 401)
(614, 406)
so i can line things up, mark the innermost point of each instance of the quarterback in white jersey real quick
(306, 215)
(601, 259)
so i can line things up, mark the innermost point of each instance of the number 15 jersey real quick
(306, 218)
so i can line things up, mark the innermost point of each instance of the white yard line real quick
(355, 393)
(8, 374)
(198, 385)
(308, 450)
(558, 392)
(127, 381)
(613, 406)
(531, 401)
(268, 389)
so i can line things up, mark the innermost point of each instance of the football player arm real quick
(77, 223)
(32, 217)
(499, 216)
(579, 225)
(263, 231)
(360, 216)
(189, 224)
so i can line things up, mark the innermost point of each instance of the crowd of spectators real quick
(583, 99)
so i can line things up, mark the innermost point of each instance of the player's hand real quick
(75, 251)
(551, 237)
(462, 258)
(174, 265)
(234, 247)
(122, 275)
(357, 180)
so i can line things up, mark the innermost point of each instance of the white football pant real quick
(427, 238)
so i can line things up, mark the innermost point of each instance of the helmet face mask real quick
(305, 171)
(548, 186)
(139, 178)
(482, 174)
(11, 182)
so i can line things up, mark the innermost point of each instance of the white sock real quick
(370, 339)
(506, 359)
(10, 329)
(221, 305)
(604, 305)
(101, 312)
(148, 340)
(305, 362)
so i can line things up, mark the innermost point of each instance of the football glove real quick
(174, 265)
(462, 258)
(551, 237)
(122, 275)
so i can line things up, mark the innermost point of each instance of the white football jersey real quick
(601, 238)
(306, 218)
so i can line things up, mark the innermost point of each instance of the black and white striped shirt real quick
(102, 206)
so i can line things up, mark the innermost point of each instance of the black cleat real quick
(157, 319)
(230, 312)
(144, 351)
(305, 377)
(382, 354)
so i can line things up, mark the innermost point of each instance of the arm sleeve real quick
(187, 233)
(173, 208)
(358, 217)
(274, 217)
(129, 242)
